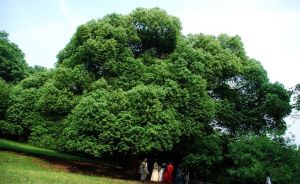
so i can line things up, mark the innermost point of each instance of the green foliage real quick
(10, 130)
(296, 93)
(100, 45)
(44, 96)
(22, 105)
(4, 94)
(35, 80)
(74, 80)
(220, 63)
(54, 102)
(47, 134)
(255, 157)
(234, 44)
(133, 84)
(37, 69)
(127, 122)
(204, 152)
(13, 66)
(156, 29)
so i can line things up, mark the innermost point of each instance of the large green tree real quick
(137, 55)
(133, 84)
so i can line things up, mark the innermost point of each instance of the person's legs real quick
(143, 176)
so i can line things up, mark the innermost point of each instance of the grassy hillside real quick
(17, 167)
(31, 150)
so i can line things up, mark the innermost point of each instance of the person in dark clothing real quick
(179, 178)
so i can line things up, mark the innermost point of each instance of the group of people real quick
(163, 173)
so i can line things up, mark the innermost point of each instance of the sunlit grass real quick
(31, 150)
(17, 169)
(22, 163)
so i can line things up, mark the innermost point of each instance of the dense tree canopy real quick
(156, 30)
(13, 66)
(297, 97)
(133, 84)
(4, 94)
(256, 157)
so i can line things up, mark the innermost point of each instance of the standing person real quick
(144, 169)
(154, 175)
(186, 176)
(162, 172)
(179, 178)
(168, 173)
(268, 180)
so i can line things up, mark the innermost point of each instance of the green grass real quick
(15, 169)
(18, 168)
(31, 150)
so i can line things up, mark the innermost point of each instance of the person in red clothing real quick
(168, 173)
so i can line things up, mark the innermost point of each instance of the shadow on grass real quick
(69, 163)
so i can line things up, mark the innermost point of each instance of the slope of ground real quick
(21, 163)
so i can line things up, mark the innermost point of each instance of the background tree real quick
(13, 66)
(296, 93)
(36, 69)
(255, 157)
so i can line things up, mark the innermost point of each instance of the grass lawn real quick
(16, 168)
(35, 151)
